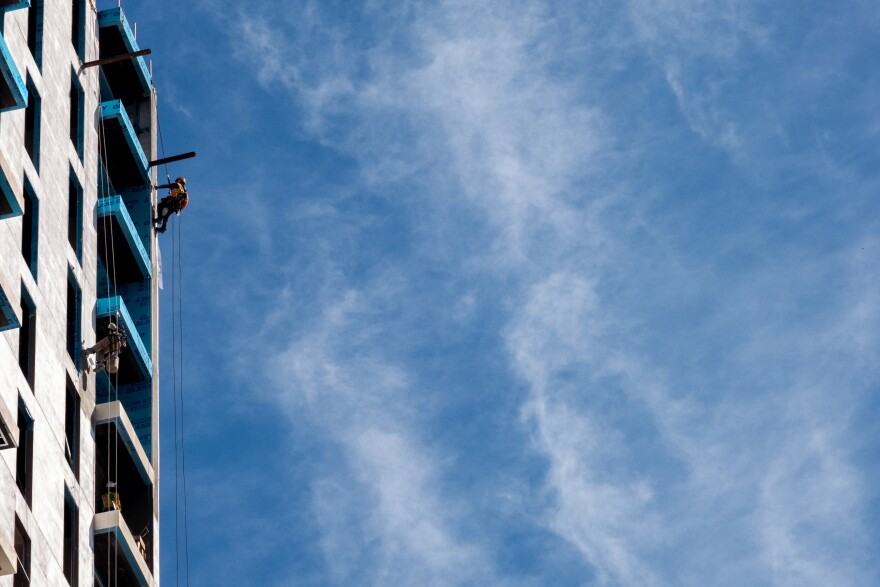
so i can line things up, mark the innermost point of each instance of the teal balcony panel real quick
(119, 245)
(126, 79)
(10, 5)
(127, 165)
(9, 317)
(11, 203)
(13, 92)
(135, 363)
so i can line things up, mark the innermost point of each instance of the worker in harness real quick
(106, 351)
(175, 201)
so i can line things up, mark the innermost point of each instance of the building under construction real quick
(79, 492)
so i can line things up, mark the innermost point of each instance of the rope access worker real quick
(175, 201)
(106, 351)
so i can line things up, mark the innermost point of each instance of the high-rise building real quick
(79, 449)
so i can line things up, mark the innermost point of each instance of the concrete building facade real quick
(79, 451)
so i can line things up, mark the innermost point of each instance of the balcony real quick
(116, 442)
(113, 538)
(127, 260)
(113, 416)
(127, 79)
(13, 92)
(135, 364)
(127, 166)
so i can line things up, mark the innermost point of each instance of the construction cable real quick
(105, 221)
(174, 270)
(179, 274)
(113, 392)
(177, 342)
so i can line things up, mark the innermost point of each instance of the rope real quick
(174, 318)
(113, 392)
(105, 181)
(177, 357)
(174, 271)
(179, 275)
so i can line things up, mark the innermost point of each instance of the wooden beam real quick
(172, 159)
(116, 58)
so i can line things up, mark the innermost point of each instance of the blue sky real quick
(525, 293)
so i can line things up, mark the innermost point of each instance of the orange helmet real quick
(180, 180)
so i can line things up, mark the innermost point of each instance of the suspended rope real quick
(177, 390)
(174, 270)
(112, 382)
(179, 234)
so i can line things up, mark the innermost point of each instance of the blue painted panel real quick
(115, 18)
(114, 206)
(105, 186)
(12, 79)
(113, 109)
(138, 298)
(18, 5)
(137, 398)
(109, 307)
(138, 401)
(9, 197)
(139, 202)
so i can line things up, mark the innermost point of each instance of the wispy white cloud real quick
(713, 436)
(559, 331)
(383, 519)
(701, 49)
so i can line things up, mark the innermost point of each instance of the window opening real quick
(35, 31)
(27, 337)
(78, 28)
(32, 124)
(74, 318)
(71, 543)
(77, 114)
(71, 428)
(30, 228)
(75, 214)
(24, 458)
(23, 552)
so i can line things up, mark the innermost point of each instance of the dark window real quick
(74, 318)
(78, 28)
(23, 552)
(77, 97)
(35, 31)
(71, 428)
(24, 458)
(75, 214)
(32, 124)
(27, 335)
(71, 542)
(29, 228)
